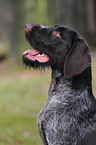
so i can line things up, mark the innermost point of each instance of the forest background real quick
(20, 101)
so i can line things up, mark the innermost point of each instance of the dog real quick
(69, 115)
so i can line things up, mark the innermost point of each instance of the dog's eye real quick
(56, 33)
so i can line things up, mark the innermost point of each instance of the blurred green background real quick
(23, 92)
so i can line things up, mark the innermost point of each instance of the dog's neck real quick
(61, 85)
(58, 83)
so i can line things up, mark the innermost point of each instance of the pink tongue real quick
(32, 55)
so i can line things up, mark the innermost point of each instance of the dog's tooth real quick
(43, 54)
(38, 54)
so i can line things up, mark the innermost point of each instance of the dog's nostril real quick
(28, 27)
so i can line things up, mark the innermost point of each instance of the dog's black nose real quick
(29, 27)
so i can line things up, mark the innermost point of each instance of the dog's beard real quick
(35, 63)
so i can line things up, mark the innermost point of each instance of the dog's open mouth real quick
(36, 55)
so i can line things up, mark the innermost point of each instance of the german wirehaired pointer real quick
(69, 115)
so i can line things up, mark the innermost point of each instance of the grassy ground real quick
(22, 95)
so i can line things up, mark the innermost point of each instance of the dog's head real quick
(60, 47)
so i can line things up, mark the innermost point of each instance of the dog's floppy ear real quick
(77, 60)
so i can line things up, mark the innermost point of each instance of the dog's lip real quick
(36, 55)
(31, 52)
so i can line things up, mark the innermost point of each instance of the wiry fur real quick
(69, 115)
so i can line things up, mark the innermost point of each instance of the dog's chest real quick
(58, 119)
(57, 124)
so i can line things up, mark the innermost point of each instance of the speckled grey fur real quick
(61, 113)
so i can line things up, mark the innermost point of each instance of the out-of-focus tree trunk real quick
(91, 21)
(16, 27)
(62, 12)
(71, 13)
(12, 32)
